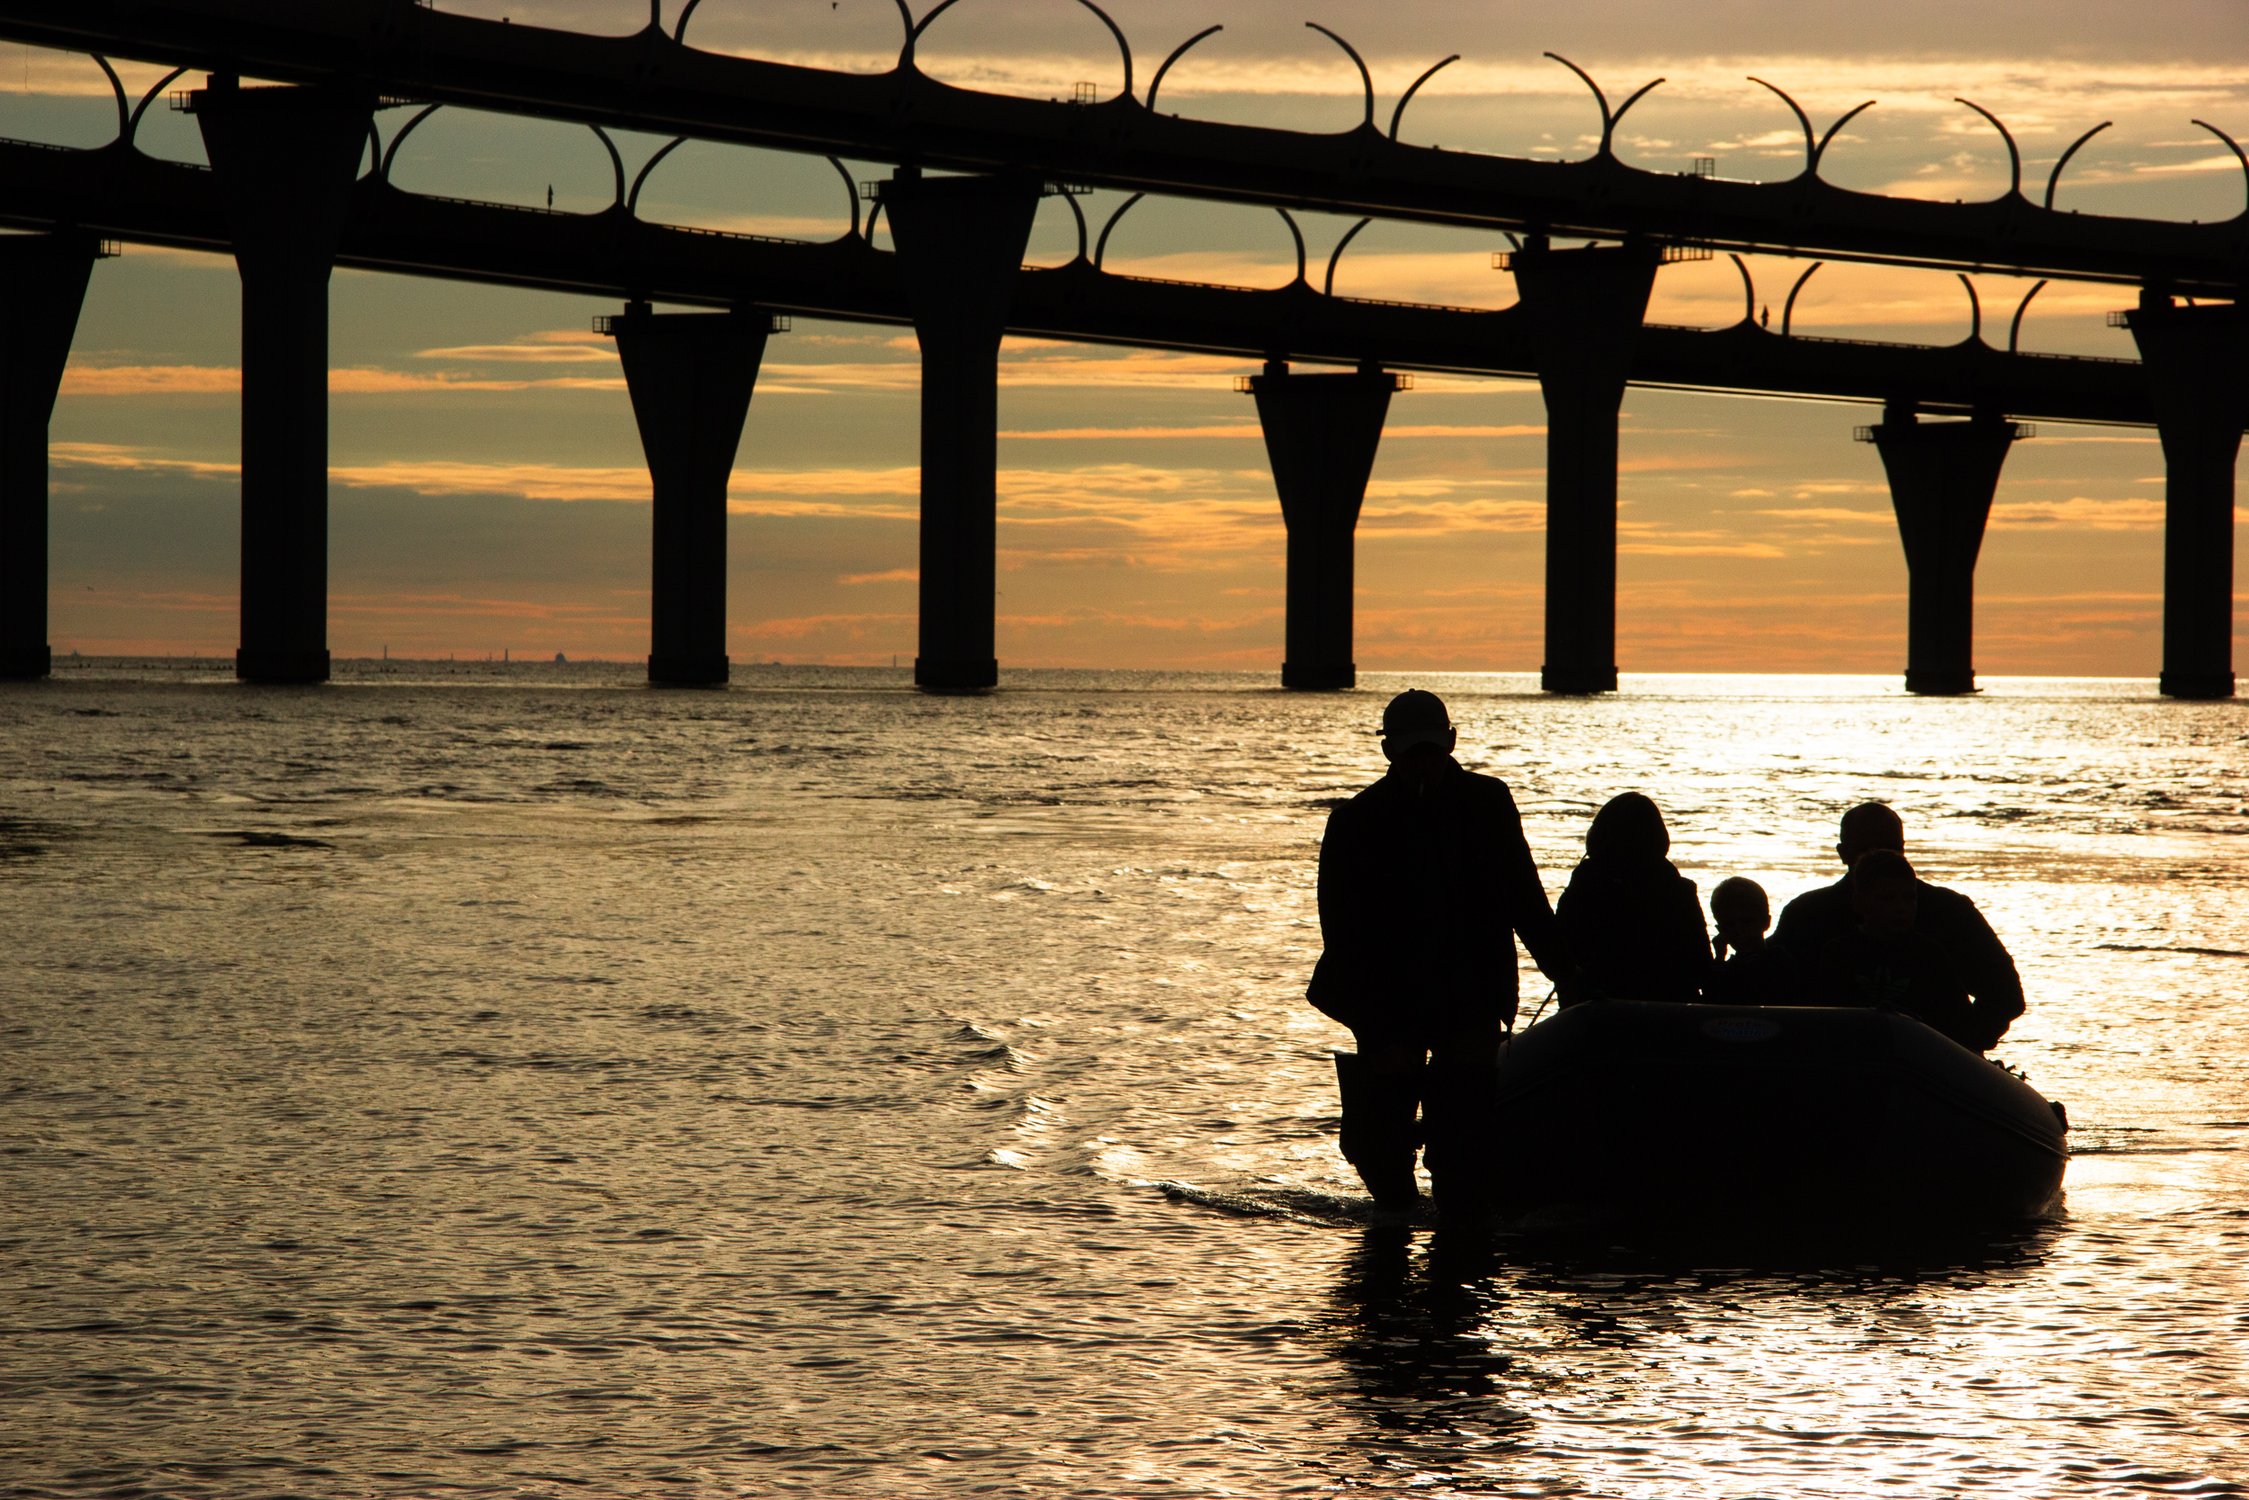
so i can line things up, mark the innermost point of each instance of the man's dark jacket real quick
(1952, 955)
(1423, 886)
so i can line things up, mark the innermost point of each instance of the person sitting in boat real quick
(1633, 920)
(1425, 881)
(1820, 934)
(1891, 966)
(1752, 974)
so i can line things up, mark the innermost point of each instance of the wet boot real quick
(1378, 1136)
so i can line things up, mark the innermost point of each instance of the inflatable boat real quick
(1708, 1117)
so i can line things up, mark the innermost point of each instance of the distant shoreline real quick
(631, 672)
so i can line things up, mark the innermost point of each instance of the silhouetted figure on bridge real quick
(1753, 972)
(1425, 879)
(1893, 935)
(1633, 921)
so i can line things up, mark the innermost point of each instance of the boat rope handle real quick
(1533, 1021)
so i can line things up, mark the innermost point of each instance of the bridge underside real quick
(119, 192)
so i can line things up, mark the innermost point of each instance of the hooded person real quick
(1633, 919)
(1425, 882)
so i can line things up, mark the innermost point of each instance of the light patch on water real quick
(503, 1081)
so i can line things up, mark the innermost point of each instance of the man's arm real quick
(1338, 987)
(1983, 963)
(1523, 898)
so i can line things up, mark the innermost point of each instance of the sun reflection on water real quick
(573, 1085)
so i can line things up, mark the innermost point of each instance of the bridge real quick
(286, 197)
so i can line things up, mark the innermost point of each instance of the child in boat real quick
(1631, 918)
(1751, 974)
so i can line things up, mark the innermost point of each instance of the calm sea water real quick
(513, 1081)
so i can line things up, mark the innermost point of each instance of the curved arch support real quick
(632, 198)
(1811, 147)
(679, 27)
(404, 131)
(1819, 152)
(1327, 288)
(1788, 308)
(1298, 235)
(620, 200)
(906, 63)
(1176, 53)
(616, 166)
(1414, 88)
(1748, 290)
(874, 215)
(1366, 79)
(133, 125)
(2054, 178)
(1124, 49)
(935, 11)
(2238, 155)
(117, 87)
(1101, 246)
(850, 192)
(1600, 99)
(905, 55)
(1078, 214)
(916, 28)
(1975, 309)
(1631, 99)
(2015, 329)
(2014, 152)
(374, 151)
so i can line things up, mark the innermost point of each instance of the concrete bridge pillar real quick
(1585, 308)
(2197, 362)
(1320, 433)
(44, 276)
(960, 242)
(690, 376)
(1942, 477)
(285, 160)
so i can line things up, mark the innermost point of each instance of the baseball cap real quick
(1416, 717)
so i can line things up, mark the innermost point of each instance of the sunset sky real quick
(489, 491)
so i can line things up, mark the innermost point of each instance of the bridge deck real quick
(651, 81)
(122, 194)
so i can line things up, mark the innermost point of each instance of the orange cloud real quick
(226, 380)
(1252, 430)
(123, 456)
(550, 346)
(1702, 549)
(2079, 511)
(150, 380)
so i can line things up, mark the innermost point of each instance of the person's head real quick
(1739, 907)
(1416, 730)
(1883, 893)
(1870, 825)
(1628, 828)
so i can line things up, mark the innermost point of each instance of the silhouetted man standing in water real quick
(1425, 878)
(1830, 939)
